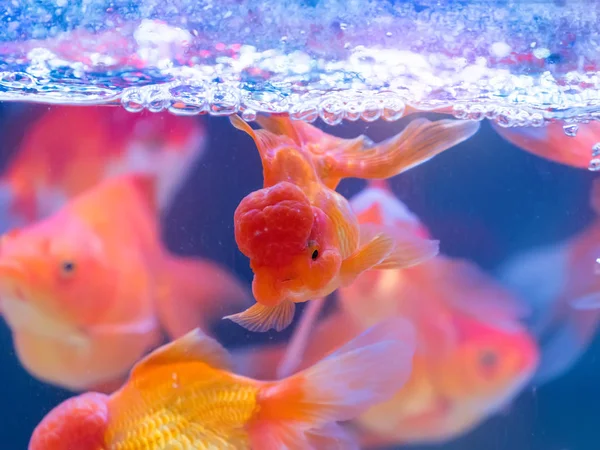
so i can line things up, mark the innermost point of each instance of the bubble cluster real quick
(332, 60)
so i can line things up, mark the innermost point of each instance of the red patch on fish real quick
(273, 224)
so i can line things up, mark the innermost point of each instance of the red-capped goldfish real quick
(70, 149)
(185, 395)
(472, 357)
(551, 142)
(87, 291)
(301, 236)
(562, 283)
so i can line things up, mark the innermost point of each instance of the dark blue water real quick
(485, 200)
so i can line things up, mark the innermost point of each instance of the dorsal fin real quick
(193, 346)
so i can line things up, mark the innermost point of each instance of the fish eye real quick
(488, 358)
(67, 267)
(315, 255)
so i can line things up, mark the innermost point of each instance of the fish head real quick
(54, 277)
(489, 365)
(291, 244)
(79, 422)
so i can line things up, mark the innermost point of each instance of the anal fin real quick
(262, 318)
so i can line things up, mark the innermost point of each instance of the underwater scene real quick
(299, 224)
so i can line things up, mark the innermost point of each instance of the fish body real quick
(301, 236)
(185, 395)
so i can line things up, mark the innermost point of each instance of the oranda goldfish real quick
(472, 354)
(302, 237)
(70, 149)
(89, 290)
(185, 396)
(562, 283)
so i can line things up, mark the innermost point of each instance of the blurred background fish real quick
(89, 290)
(69, 149)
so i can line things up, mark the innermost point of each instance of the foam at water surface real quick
(519, 63)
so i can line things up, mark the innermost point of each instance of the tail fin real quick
(420, 141)
(365, 371)
(79, 422)
(196, 293)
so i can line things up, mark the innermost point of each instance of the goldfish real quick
(301, 236)
(90, 289)
(70, 149)
(562, 283)
(551, 142)
(185, 395)
(472, 357)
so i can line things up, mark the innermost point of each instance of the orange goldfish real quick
(302, 237)
(88, 290)
(185, 395)
(72, 148)
(472, 354)
(562, 283)
(551, 142)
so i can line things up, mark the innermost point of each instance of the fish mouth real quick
(24, 315)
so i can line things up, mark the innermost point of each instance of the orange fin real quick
(420, 141)
(262, 318)
(196, 292)
(264, 140)
(337, 388)
(194, 346)
(79, 422)
(409, 249)
(368, 255)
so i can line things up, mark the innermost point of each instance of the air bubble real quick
(537, 120)
(305, 113)
(505, 118)
(353, 111)
(392, 107)
(475, 112)
(571, 129)
(459, 111)
(157, 99)
(594, 165)
(249, 115)
(132, 100)
(596, 150)
(331, 111)
(371, 111)
(224, 102)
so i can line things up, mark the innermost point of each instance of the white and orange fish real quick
(90, 289)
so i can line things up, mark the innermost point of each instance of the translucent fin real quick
(420, 141)
(595, 195)
(297, 345)
(337, 388)
(587, 302)
(195, 292)
(367, 256)
(194, 346)
(332, 437)
(78, 423)
(264, 140)
(262, 318)
(409, 250)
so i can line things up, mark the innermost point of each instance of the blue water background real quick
(485, 200)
